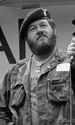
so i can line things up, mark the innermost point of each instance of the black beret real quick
(35, 15)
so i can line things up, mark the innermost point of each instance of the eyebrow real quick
(32, 25)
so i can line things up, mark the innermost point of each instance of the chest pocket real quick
(59, 87)
(17, 96)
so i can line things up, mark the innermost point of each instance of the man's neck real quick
(44, 57)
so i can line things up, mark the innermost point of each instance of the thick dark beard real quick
(43, 49)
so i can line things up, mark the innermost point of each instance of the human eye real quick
(43, 25)
(32, 28)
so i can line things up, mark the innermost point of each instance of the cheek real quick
(31, 36)
(50, 33)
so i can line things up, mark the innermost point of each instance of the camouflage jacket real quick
(55, 94)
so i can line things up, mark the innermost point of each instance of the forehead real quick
(39, 22)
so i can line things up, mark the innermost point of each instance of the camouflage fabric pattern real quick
(52, 90)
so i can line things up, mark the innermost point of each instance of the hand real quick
(71, 49)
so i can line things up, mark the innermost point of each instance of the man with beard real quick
(40, 90)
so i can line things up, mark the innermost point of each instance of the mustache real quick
(41, 34)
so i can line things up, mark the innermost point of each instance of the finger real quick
(71, 53)
(71, 48)
(72, 44)
(73, 40)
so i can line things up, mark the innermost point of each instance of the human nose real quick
(39, 30)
